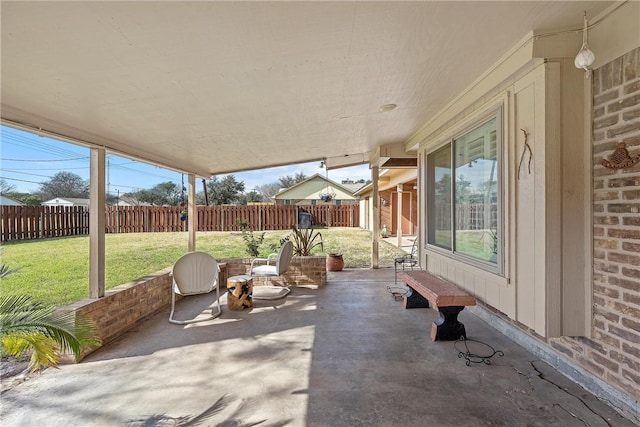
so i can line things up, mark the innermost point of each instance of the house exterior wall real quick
(58, 202)
(307, 191)
(387, 192)
(569, 213)
(613, 353)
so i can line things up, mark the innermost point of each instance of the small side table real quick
(239, 292)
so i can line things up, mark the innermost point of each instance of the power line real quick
(21, 180)
(44, 160)
(40, 144)
(44, 169)
(56, 148)
(26, 173)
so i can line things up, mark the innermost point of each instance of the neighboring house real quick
(8, 201)
(66, 201)
(314, 191)
(391, 184)
(131, 201)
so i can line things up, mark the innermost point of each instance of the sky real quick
(27, 160)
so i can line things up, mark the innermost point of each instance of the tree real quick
(267, 191)
(288, 180)
(251, 196)
(443, 190)
(65, 184)
(224, 191)
(165, 193)
(29, 199)
(5, 187)
(463, 189)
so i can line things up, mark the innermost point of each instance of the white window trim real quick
(498, 111)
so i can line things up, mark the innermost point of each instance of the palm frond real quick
(29, 326)
(44, 350)
(5, 270)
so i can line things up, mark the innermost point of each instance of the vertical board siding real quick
(34, 222)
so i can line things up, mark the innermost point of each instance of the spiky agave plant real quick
(31, 327)
(305, 240)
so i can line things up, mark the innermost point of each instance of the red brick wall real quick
(303, 270)
(614, 353)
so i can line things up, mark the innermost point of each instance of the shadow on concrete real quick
(347, 354)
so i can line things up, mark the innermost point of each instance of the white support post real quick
(399, 216)
(97, 223)
(192, 214)
(375, 244)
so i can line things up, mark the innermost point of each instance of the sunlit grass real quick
(56, 271)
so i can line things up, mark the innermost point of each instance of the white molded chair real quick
(275, 265)
(195, 273)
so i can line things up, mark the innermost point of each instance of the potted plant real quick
(335, 262)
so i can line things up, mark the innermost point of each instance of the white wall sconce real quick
(585, 56)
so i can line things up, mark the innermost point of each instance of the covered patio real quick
(450, 88)
(347, 354)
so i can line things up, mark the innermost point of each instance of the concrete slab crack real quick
(586, 405)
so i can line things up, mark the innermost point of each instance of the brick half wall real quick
(131, 303)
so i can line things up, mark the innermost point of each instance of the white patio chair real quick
(195, 273)
(274, 265)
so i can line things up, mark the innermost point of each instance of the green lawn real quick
(56, 271)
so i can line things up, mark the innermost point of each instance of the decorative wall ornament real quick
(524, 150)
(584, 58)
(326, 196)
(620, 158)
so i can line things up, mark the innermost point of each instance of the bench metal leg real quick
(413, 299)
(447, 327)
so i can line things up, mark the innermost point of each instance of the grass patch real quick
(56, 271)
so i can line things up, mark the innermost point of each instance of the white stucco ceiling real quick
(213, 87)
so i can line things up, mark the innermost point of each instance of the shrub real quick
(253, 243)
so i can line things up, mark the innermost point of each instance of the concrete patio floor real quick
(344, 355)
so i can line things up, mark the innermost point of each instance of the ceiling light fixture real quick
(585, 57)
(387, 107)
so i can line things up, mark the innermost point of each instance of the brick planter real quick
(303, 270)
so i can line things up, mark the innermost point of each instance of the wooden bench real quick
(447, 298)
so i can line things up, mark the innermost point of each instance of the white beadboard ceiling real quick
(214, 87)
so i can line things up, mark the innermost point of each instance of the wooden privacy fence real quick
(35, 222)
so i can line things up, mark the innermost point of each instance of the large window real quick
(464, 197)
